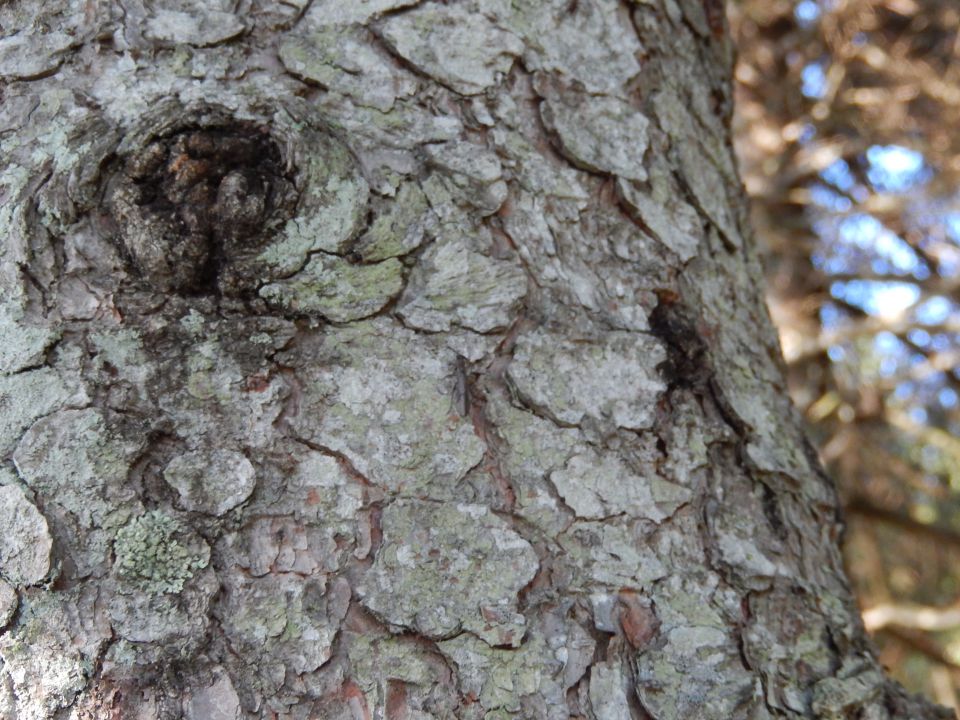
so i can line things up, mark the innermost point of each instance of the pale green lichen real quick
(27, 396)
(460, 49)
(556, 33)
(598, 554)
(150, 556)
(453, 284)
(25, 554)
(202, 27)
(43, 655)
(78, 462)
(8, 604)
(530, 681)
(282, 618)
(598, 486)
(614, 378)
(211, 482)
(193, 323)
(399, 227)
(336, 289)
(343, 59)
(445, 567)
(22, 343)
(857, 684)
(383, 397)
(600, 134)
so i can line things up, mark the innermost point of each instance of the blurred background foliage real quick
(848, 132)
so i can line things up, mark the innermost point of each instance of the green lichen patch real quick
(600, 134)
(342, 59)
(337, 12)
(332, 206)
(612, 378)
(453, 284)
(22, 343)
(27, 396)
(609, 681)
(467, 175)
(30, 55)
(857, 683)
(461, 49)
(696, 670)
(336, 289)
(8, 603)
(78, 461)
(598, 486)
(532, 448)
(201, 24)
(594, 45)
(383, 396)
(400, 224)
(529, 681)
(608, 554)
(285, 620)
(211, 482)
(25, 548)
(444, 567)
(661, 208)
(155, 554)
(44, 658)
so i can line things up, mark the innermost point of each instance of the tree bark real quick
(402, 360)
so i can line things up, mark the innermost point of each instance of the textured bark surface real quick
(401, 360)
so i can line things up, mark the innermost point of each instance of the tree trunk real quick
(402, 360)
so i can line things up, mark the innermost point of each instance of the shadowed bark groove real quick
(402, 360)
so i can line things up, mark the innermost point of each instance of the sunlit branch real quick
(917, 617)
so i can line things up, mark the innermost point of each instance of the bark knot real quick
(190, 203)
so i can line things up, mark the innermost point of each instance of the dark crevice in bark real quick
(340, 457)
